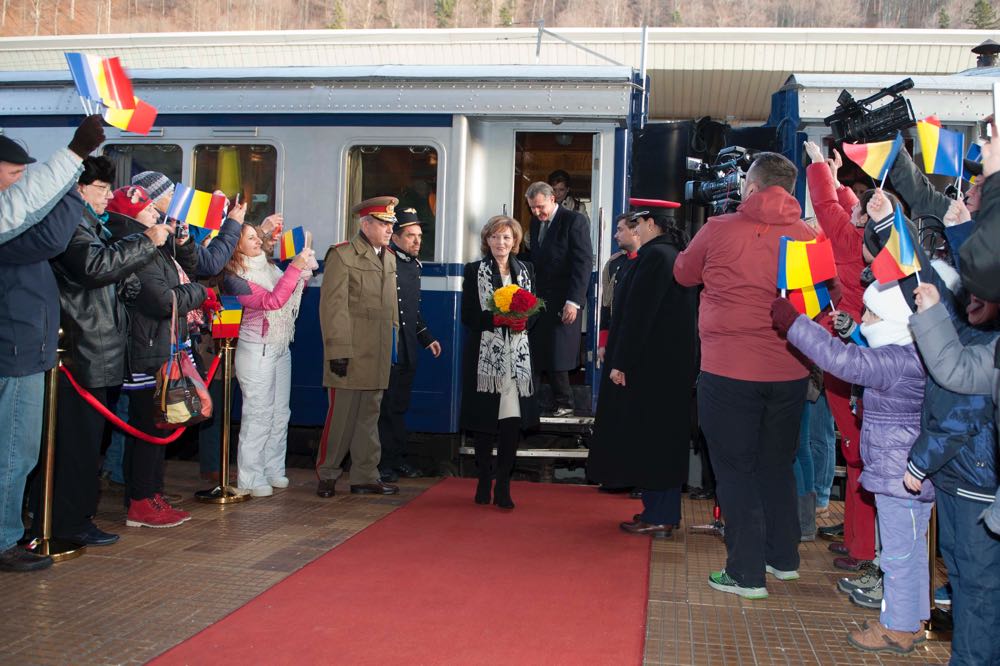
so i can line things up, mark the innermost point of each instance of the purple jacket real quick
(894, 379)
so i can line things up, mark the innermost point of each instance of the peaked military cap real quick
(405, 218)
(381, 208)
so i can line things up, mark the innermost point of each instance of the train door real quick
(569, 161)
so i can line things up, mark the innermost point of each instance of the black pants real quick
(79, 433)
(752, 430)
(392, 416)
(144, 461)
(661, 507)
(562, 392)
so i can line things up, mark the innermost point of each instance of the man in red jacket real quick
(752, 387)
(842, 220)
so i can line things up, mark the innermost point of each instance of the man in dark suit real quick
(563, 257)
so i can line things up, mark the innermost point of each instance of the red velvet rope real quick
(122, 425)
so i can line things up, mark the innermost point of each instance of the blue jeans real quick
(972, 555)
(805, 479)
(21, 406)
(116, 451)
(822, 442)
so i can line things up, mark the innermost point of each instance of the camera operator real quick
(752, 389)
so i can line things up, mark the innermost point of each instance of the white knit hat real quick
(888, 302)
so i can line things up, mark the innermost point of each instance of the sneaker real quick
(870, 576)
(723, 582)
(870, 597)
(562, 412)
(782, 575)
(876, 637)
(150, 513)
(262, 491)
(942, 596)
(162, 501)
(278, 481)
(17, 558)
(849, 563)
(831, 531)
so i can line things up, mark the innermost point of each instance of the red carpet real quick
(445, 581)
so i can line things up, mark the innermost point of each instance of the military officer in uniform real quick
(413, 336)
(359, 320)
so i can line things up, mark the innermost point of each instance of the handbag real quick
(181, 397)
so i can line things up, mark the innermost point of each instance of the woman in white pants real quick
(270, 302)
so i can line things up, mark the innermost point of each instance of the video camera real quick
(856, 120)
(719, 185)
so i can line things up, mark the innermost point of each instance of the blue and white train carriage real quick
(459, 144)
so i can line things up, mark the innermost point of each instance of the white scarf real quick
(504, 356)
(886, 332)
(280, 322)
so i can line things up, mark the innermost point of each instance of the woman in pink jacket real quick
(270, 301)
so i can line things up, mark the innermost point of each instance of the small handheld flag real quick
(810, 300)
(138, 120)
(226, 322)
(805, 263)
(899, 256)
(291, 243)
(875, 159)
(197, 208)
(973, 154)
(942, 149)
(101, 80)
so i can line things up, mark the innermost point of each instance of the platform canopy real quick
(721, 72)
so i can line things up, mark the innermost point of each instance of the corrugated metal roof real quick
(694, 71)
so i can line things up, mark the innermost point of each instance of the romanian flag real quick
(138, 120)
(810, 300)
(197, 208)
(875, 159)
(226, 322)
(101, 79)
(974, 154)
(803, 264)
(942, 149)
(291, 243)
(899, 257)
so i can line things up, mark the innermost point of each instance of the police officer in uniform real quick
(359, 320)
(413, 336)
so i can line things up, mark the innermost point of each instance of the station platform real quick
(130, 602)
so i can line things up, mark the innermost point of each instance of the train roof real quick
(722, 72)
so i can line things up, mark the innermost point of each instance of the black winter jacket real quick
(981, 253)
(29, 309)
(149, 340)
(94, 321)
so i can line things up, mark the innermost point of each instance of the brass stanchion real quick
(224, 493)
(58, 549)
(939, 624)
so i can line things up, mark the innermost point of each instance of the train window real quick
(540, 155)
(131, 159)
(249, 170)
(408, 173)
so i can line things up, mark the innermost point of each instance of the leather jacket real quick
(150, 310)
(93, 319)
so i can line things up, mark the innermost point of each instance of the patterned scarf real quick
(504, 356)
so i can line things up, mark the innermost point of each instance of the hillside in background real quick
(67, 17)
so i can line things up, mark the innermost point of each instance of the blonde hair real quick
(495, 224)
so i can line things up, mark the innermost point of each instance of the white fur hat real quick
(888, 302)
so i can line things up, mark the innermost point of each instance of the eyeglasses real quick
(103, 189)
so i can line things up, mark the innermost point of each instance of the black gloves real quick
(88, 136)
(867, 277)
(128, 289)
(338, 366)
(844, 325)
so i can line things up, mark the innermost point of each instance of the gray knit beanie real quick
(154, 182)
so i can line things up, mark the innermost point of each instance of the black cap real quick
(13, 152)
(404, 218)
(975, 168)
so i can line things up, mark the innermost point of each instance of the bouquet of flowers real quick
(511, 307)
